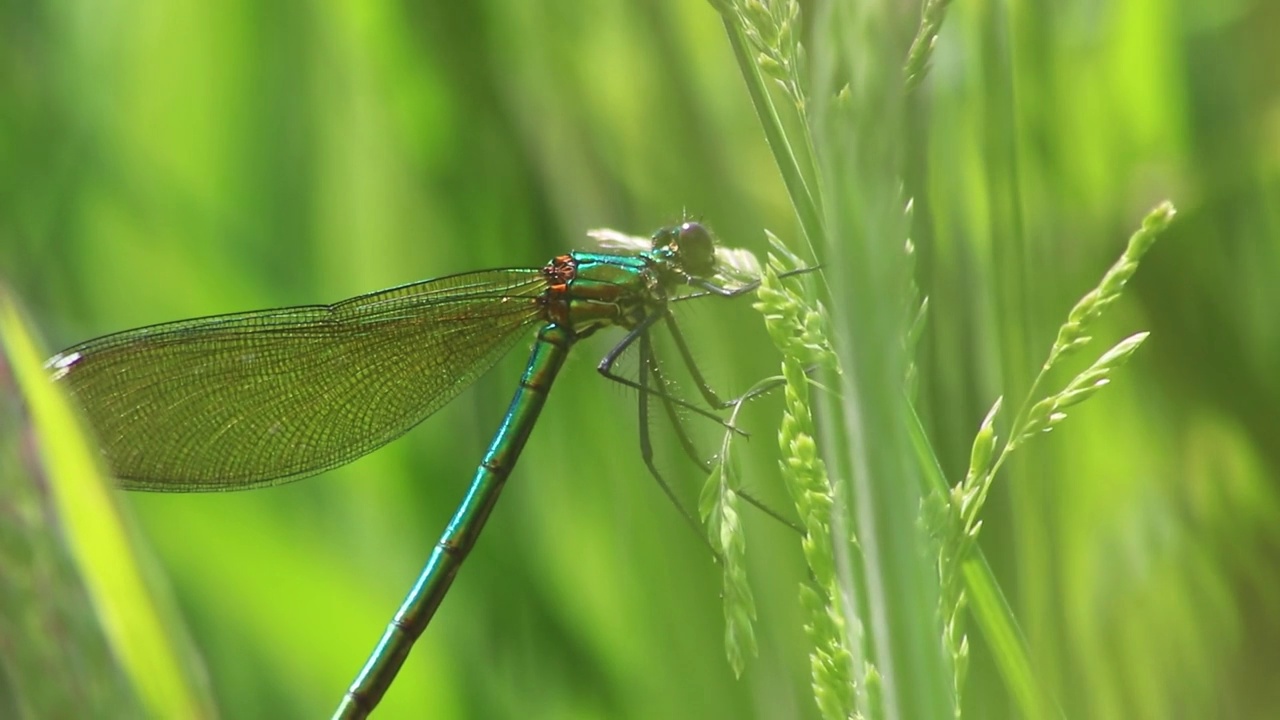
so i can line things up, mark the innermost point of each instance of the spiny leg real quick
(605, 368)
(646, 445)
(649, 358)
(712, 398)
(686, 356)
(648, 364)
(710, 288)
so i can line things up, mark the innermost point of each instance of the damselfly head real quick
(692, 244)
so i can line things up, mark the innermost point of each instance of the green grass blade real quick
(131, 613)
(1008, 645)
(54, 660)
(802, 195)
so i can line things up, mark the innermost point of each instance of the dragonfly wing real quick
(250, 399)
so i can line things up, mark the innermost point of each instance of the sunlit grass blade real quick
(130, 609)
(54, 660)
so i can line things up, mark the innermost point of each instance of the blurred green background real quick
(163, 160)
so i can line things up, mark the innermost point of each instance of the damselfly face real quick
(691, 245)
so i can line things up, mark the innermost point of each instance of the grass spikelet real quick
(719, 507)
(1040, 414)
(931, 17)
(955, 524)
(1072, 335)
(798, 331)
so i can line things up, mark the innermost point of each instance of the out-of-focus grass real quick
(168, 160)
(54, 658)
(81, 612)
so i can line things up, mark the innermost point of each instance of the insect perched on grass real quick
(252, 399)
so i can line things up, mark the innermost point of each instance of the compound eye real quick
(696, 248)
(694, 233)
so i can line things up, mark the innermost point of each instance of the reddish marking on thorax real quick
(559, 273)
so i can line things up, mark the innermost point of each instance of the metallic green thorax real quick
(250, 399)
(622, 290)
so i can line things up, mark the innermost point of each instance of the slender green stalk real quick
(994, 615)
(805, 198)
(858, 124)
